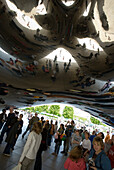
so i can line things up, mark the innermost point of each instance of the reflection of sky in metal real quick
(91, 44)
(62, 55)
(24, 18)
(68, 3)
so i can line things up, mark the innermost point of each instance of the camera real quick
(91, 162)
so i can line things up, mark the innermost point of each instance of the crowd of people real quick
(82, 149)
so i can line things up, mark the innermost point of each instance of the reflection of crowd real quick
(19, 67)
(86, 83)
(86, 151)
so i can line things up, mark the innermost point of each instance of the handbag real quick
(17, 167)
(56, 136)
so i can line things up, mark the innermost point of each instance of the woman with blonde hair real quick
(31, 147)
(97, 157)
(75, 160)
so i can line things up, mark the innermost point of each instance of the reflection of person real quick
(106, 86)
(31, 147)
(98, 158)
(74, 161)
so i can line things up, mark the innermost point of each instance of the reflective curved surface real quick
(30, 30)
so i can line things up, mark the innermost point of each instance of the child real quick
(74, 161)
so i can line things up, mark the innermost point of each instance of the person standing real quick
(76, 139)
(8, 125)
(107, 137)
(13, 136)
(31, 147)
(3, 118)
(58, 141)
(69, 129)
(43, 147)
(33, 120)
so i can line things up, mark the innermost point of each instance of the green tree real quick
(55, 110)
(68, 112)
(43, 108)
(95, 121)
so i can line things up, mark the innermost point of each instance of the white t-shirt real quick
(86, 144)
(31, 147)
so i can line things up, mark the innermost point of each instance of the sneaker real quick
(62, 151)
(6, 154)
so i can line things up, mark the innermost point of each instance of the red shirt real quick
(71, 165)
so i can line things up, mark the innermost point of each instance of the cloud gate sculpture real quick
(31, 30)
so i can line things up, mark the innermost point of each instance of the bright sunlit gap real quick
(87, 10)
(68, 3)
(23, 18)
(62, 55)
(91, 44)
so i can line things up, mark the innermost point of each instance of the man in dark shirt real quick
(11, 119)
(3, 117)
(69, 129)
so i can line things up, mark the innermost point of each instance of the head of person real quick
(20, 116)
(107, 132)
(72, 122)
(46, 126)
(42, 118)
(101, 135)
(62, 126)
(94, 133)
(56, 122)
(51, 121)
(16, 113)
(36, 114)
(87, 135)
(37, 127)
(47, 122)
(4, 111)
(77, 132)
(11, 109)
(76, 153)
(98, 144)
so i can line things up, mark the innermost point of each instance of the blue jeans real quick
(7, 148)
(57, 147)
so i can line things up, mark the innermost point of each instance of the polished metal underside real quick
(30, 30)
